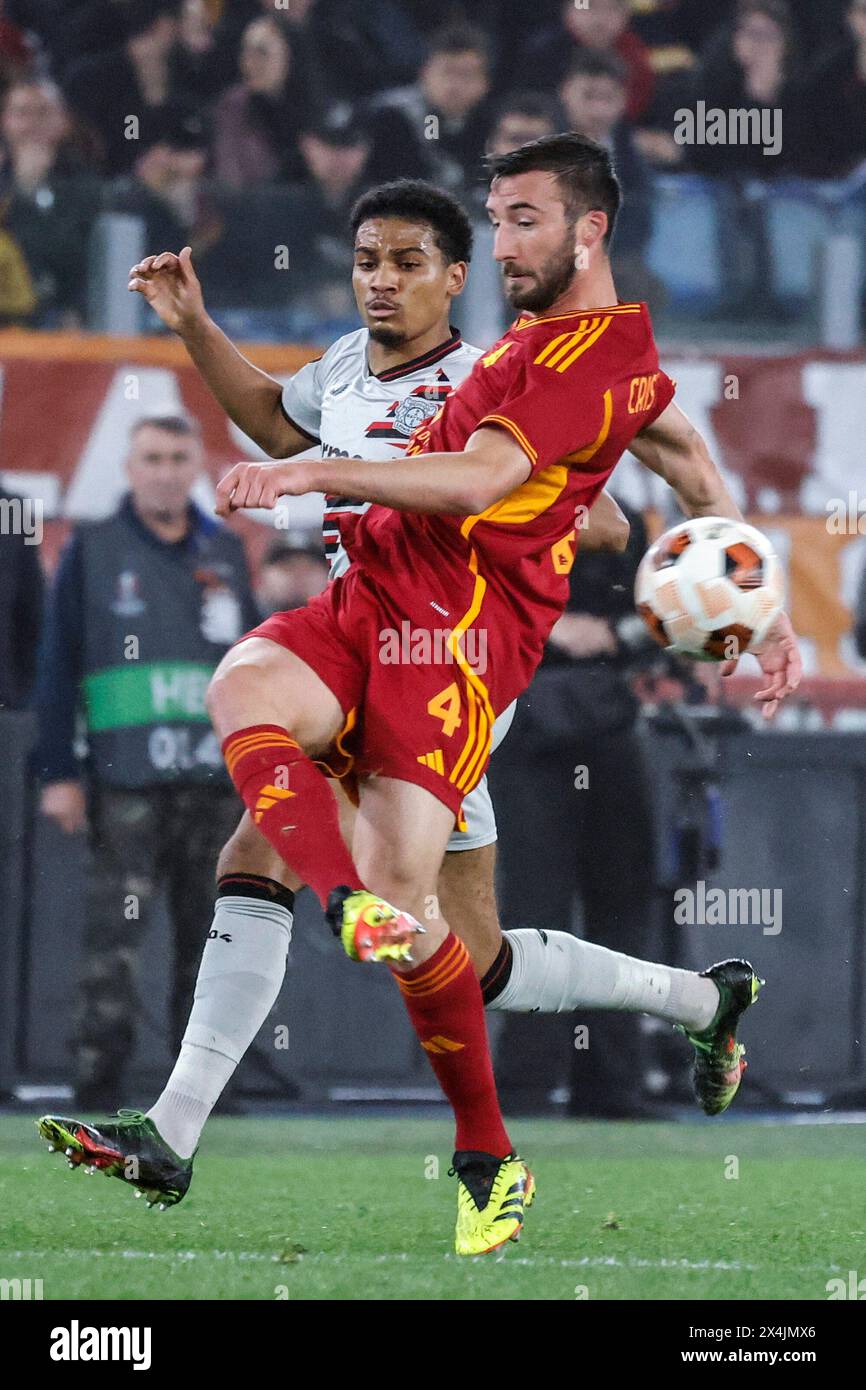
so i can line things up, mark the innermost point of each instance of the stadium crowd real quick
(182, 112)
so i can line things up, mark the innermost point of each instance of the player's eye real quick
(365, 265)
(525, 222)
(409, 265)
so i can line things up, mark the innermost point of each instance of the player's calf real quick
(467, 898)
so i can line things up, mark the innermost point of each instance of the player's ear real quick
(457, 273)
(591, 230)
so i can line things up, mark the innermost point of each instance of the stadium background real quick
(753, 269)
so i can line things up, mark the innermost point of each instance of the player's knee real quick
(399, 883)
(232, 683)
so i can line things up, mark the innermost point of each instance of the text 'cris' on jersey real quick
(353, 413)
(572, 390)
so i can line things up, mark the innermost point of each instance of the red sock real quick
(291, 804)
(443, 999)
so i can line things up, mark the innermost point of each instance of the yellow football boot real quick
(492, 1198)
(370, 928)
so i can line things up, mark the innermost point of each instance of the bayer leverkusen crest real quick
(413, 412)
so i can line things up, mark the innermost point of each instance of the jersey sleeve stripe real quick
(584, 346)
(567, 342)
(513, 429)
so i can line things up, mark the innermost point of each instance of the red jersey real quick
(573, 390)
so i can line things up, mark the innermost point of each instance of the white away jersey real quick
(351, 413)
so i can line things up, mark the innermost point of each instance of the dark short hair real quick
(175, 424)
(590, 62)
(459, 38)
(417, 201)
(279, 551)
(539, 105)
(779, 11)
(582, 167)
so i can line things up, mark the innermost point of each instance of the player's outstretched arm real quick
(250, 397)
(464, 484)
(673, 448)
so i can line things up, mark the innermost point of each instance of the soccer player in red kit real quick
(467, 547)
(473, 533)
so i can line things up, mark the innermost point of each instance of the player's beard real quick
(387, 337)
(547, 284)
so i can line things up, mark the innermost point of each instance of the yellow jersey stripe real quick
(549, 347)
(578, 313)
(470, 734)
(585, 345)
(574, 339)
(485, 738)
(584, 455)
(454, 646)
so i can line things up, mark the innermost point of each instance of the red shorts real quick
(415, 700)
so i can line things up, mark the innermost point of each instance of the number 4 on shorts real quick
(446, 706)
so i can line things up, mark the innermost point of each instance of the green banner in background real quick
(123, 697)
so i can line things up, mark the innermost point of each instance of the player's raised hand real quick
(171, 288)
(779, 659)
(250, 485)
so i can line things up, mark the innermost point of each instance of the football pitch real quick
(321, 1208)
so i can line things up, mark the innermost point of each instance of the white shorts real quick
(478, 806)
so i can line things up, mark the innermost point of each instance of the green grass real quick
(321, 1208)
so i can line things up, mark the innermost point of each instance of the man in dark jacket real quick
(143, 607)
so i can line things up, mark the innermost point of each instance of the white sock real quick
(555, 972)
(239, 978)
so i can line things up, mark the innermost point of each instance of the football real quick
(710, 588)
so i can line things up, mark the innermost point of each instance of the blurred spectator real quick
(48, 212)
(439, 123)
(691, 22)
(603, 27)
(363, 48)
(837, 99)
(118, 94)
(20, 602)
(162, 574)
(593, 96)
(336, 150)
(289, 576)
(83, 30)
(166, 188)
(235, 252)
(258, 121)
(754, 64)
(200, 69)
(521, 117)
(345, 48)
